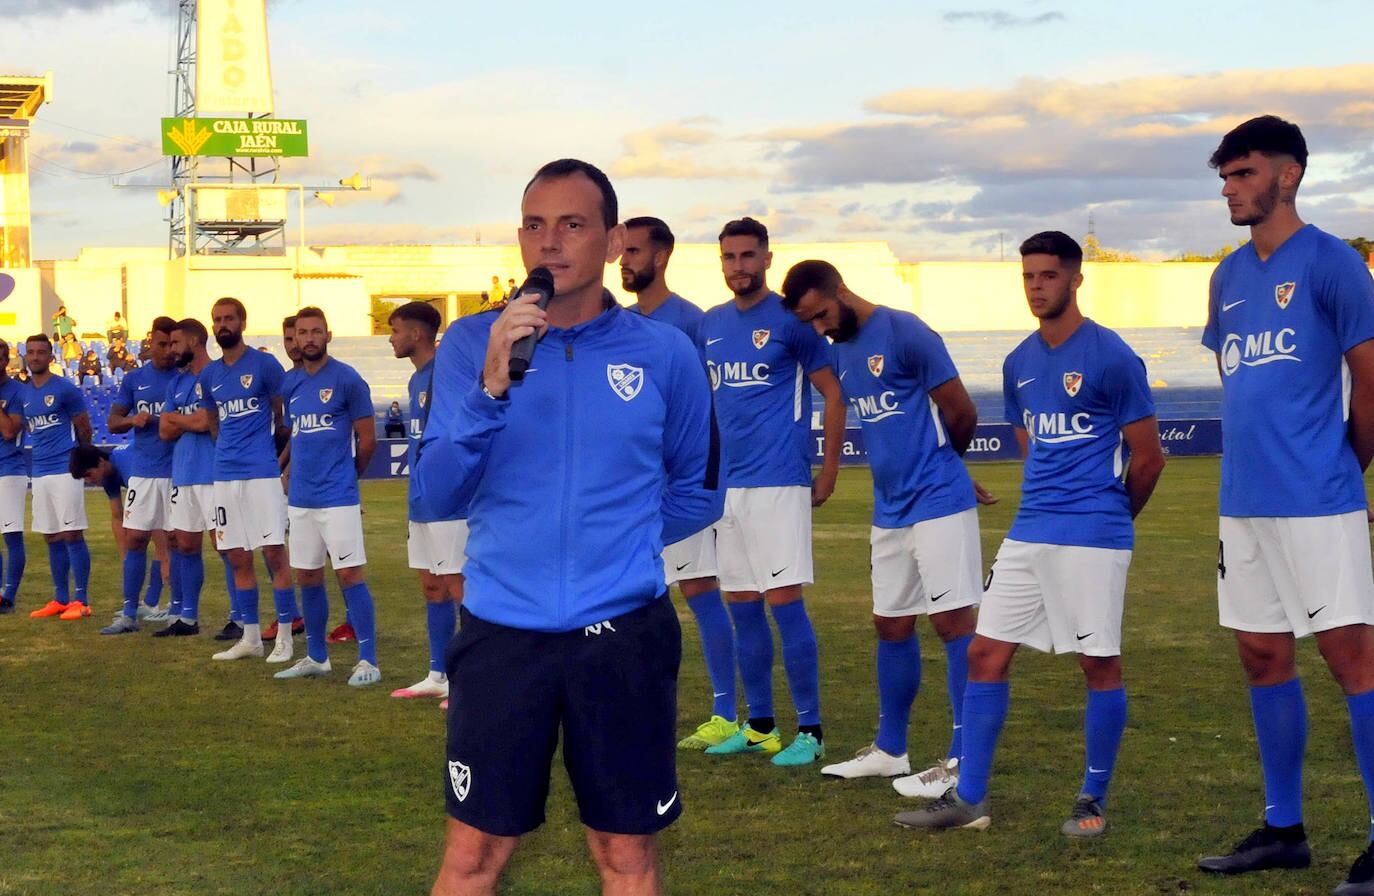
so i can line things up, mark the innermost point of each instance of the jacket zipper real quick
(567, 484)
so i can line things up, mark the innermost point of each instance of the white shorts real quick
(1064, 598)
(59, 504)
(1294, 574)
(14, 491)
(928, 567)
(692, 558)
(317, 531)
(192, 508)
(439, 547)
(249, 513)
(146, 503)
(764, 539)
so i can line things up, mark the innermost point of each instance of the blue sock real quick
(248, 604)
(316, 603)
(985, 709)
(718, 646)
(364, 620)
(14, 546)
(800, 659)
(235, 614)
(1280, 714)
(1104, 721)
(285, 601)
(135, 567)
(1362, 733)
(174, 583)
(440, 620)
(755, 645)
(956, 678)
(154, 595)
(80, 556)
(899, 678)
(192, 576)
(60, 562)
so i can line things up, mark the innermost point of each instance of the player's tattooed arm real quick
(1360, 361)
(958, 412)
(1147, 461)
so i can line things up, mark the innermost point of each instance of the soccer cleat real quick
(75, 610)
(1262, 849)
(1086, 819)
(152, 614)
(122, 625)
(435, 684)
(51, 608)
(341, 635)
(364, 674)
(232, 631)
(241, 651)
(1360, 880)
(802, 751)
(269, 631)
(747, 740)
(298, 625)
(444, 705)
(305, 667)
(870, 762)
(931, 783)
(283, 649)
(6, 606)
(178, 629)
(947, 812)
(713, 731)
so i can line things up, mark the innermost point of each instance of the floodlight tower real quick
(183, 106)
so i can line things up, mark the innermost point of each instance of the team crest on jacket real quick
(875, 365)
(460, 776)
(424, 397)
(247, 380)
(49, 399)
(1283, 293)
(325, 395)
(761, 338)
(197, 391)
(626, 381)
(1073, 381)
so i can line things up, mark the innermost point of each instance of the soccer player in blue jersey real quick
(918, 420)
(437, 536)
(137, 408)
(1080, 405)
(244, 387)
(57, 420)
(109, 471)
(329, 406)
(185, 425)
(690, 563)
(1291, 318)
(14, 481)
(762, 363)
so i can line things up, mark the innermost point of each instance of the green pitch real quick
(133, 765)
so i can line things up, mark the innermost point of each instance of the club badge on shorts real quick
(460, 776)
(761, 338)
(875, 365)
(325, 395)
(626, 381)
(1283, 293)
(247, 380)
(1073, 381)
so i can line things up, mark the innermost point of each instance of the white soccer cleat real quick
(930, 784)
(870, 762)
(283, 648)
(305, 667)
(364, 674)
(242, 650)
(151, 614)
(435, 684)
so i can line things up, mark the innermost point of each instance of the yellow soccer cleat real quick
(713, 731)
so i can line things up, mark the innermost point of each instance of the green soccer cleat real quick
(747, 740)
(713, 731)
(802, 751)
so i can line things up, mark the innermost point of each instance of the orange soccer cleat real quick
(52, 608)
(75, 610)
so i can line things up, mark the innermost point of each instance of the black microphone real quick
(540, 281)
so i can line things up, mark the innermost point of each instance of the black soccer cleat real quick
(232, 631)
(178, 629)
(6, 606)
(1360, 880)
(1262, 849)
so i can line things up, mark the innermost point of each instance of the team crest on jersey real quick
(247, 380)
(1073, 381)
(626, 381)
(49, 399)
(197, 391)
(424, 398)
(460, 776)
(1283, 293)
(875, 365)
(761, 338)
(325, 395)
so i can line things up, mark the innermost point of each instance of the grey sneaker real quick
(1086, 819)
(122, 625)
(947, 812)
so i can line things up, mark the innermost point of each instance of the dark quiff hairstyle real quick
(806, 276)
(232, 303)
(610, 206)
(40, 337)
(1267, 135)
(659, 232)
(310, 311)
(422, 313)
(84, 459)
(163, 324)
(195, 328)
(1056, 243)
(745, 227)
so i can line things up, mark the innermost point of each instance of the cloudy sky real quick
(935, 126)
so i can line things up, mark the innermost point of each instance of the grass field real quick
(138, 766)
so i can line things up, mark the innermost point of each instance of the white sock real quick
(252, 633)
(438, 677)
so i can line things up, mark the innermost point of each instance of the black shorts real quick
(611, 688)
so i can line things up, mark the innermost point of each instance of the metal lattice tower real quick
(183, 106)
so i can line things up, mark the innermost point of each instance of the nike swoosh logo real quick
(267, 535)
(69, 522)
(345, 556)
(531, 370)
(684, 566)
(664, 807)
(1096, 771)
(1020, 383)
(216, 388)
(844, 374)
(938, 596)
(714, 341)
(1081, 637)
(1316, 611)
(721, 694)
(1232, 305)
(779, 572)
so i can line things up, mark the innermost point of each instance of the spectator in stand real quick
(116, 328)
(498, 294)
(71, 355)
(88, 370)
(485, 304)
(395, 423)
(510, 288)
(145, 351)
(120, 361)
(63, 323)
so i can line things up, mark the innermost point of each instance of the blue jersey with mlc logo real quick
(321, 408)
(123, 459)
(48, 413)
(241, 396)
(1281, 329)
(193, 453)
(678, 312)
(421, 389)
(145, 389)
(887, 372)
(759, 361)
(11, 451)
(1073, 401)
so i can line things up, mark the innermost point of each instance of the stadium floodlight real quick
(355, 182)
(326, 198)
(167, 197)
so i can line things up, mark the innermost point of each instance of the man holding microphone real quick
(566, 624)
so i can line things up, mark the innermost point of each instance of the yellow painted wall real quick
(19, 312)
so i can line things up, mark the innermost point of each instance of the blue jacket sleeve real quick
(692, 495)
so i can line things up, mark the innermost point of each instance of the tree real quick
(1095, 251)
(1362, 245)
(1218, 255)
(381, 313)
